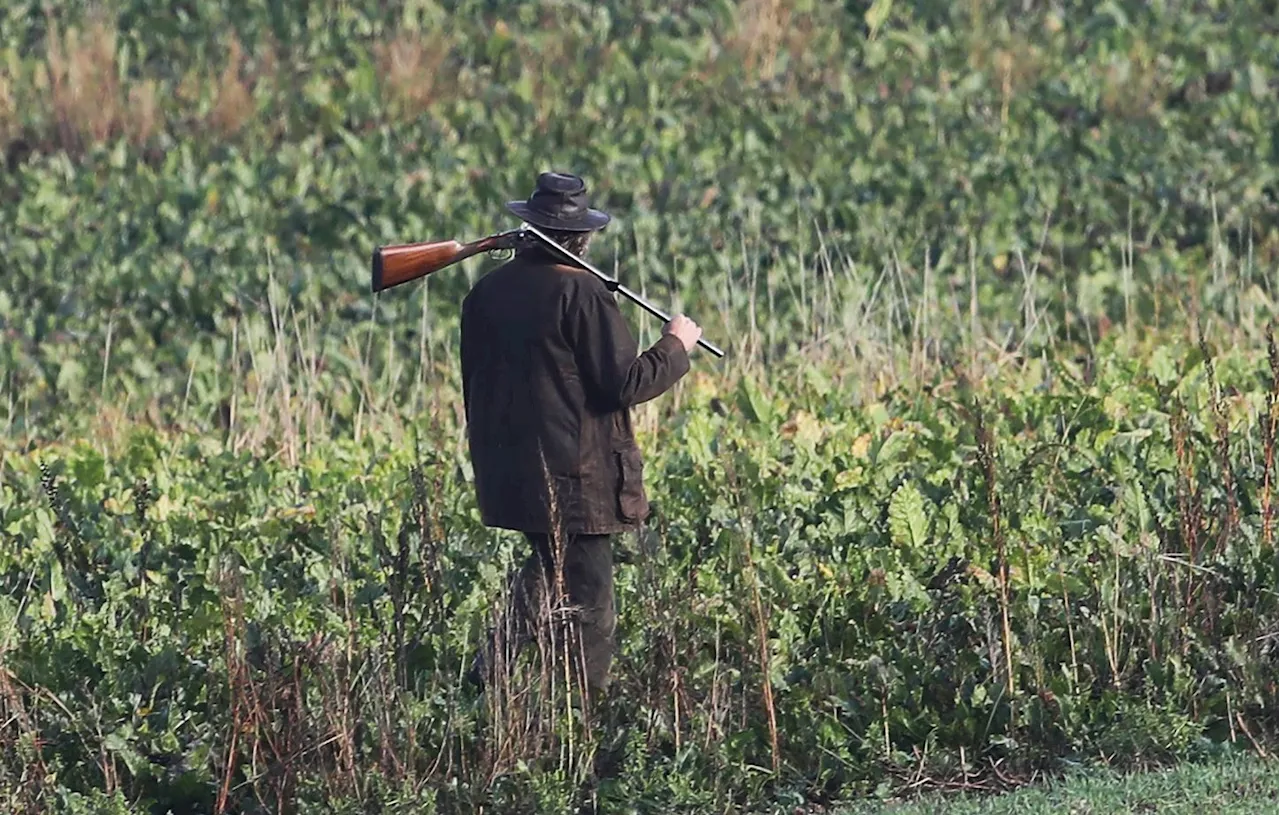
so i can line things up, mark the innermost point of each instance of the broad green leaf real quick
(876, 15)
(908, 524)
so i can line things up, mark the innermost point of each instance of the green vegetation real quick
(984, 487)
(1226, 788)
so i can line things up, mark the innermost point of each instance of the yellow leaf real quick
(803, 427)
(160, 510)
(849, 478)
(861, 445)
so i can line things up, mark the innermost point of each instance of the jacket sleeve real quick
(613, 371)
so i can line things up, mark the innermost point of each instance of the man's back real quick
(549, 371)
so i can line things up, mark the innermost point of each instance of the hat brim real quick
(589, 221)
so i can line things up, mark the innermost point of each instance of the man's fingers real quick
(683, 329)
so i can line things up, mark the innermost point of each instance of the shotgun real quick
(401, 263)
(394, 265)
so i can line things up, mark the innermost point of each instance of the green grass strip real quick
(1239, 786)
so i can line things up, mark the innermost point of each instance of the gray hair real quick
(575, 242)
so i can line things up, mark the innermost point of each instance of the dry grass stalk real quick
(84, 84)
(233, 101)
(1230, 513)
(88, 103)
(233, 628)
(144, 111)
(548, 59)
(23, 745)
(987, 462)
(9, 123)
(1269, 447)
(1015, 67)
(1132, 85)
(760, 29)
(815, 56)
(408, 71)
(761, 620)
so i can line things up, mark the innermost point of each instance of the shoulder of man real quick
(582, 283)
(579, 286)
(486, 280)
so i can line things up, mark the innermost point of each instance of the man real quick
(550, 371)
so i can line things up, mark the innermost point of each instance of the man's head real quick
(559, 208)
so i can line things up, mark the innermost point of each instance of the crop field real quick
(983, 492)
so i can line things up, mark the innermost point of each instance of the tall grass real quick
(766, 647)
(282, 375)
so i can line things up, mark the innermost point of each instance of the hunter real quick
(550, 371)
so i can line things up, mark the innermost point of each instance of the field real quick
(983, 490)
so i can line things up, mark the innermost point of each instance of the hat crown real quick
(561, 183)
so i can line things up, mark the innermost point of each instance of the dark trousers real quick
(580, 593)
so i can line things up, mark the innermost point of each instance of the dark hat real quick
(560, 202)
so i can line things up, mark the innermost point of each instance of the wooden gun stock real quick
(393, 265)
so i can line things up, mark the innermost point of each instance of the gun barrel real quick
(614, 285)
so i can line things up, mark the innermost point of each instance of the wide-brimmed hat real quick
(560, 202)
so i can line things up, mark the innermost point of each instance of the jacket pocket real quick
(632, 504)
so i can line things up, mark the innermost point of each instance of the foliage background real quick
(985, 482)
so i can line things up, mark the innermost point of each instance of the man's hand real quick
(685, 330)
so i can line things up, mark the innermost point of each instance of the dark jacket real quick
(549, 372)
